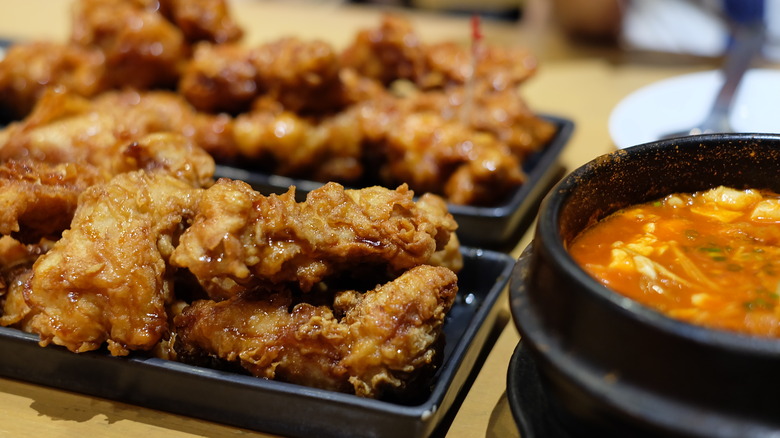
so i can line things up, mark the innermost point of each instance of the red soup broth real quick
(710, 258)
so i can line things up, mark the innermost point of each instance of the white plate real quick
(682, 102)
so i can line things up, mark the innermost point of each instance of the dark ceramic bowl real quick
(610, 366)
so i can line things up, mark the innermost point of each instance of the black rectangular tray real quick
(486, 227)
(269, 406)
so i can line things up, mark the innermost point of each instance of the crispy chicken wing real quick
(368, 344)
(241, 238)
(106, 279)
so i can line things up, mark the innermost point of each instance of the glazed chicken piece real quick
(203, 20)
(67, 128)
(219, 78)
(283, 143)
(486, 100)
(16, 260)
(142, 48)
(37, 199)
(368, 344)
(14, 311)
(502, 113)
(386, 140)
(168, 153)
(240, 238)
(69, 143)
(27, 70)
(106, 279)
(438, 155)
(389, 52)
(114, 44)
(301, 76)
(506, 115)
(296, 73)
(498, 68)
(393, 51)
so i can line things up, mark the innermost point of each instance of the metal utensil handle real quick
(740, 57)
(748, 38)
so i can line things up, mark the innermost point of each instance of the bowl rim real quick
(547, 227)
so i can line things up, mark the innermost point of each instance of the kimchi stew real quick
(711, 258)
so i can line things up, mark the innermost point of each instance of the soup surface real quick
(710, 258)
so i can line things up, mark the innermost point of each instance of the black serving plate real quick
(484, 227)
(269, 406)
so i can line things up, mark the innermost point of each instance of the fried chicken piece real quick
(14, 309)
(69, 143)
(241, 238)
(506, 115)
(419, 140)
(114, 44)
(297, 73)
(284, 143)
(393, 51)
(497, 68)
(502, 113)
(37, 199)
(133, 114)
(106, 279)
(389, 52)
(355, 88)
(219, 78)
(384, 337)
(171, 154)
(67, 128)
(304, 78)
(438, 155)
(142, 48)
(28, 69)
(16, 260)
(450, 256)
(203, 20)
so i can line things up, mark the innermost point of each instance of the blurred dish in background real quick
(509, 10)
(686, 27)
(682, 101)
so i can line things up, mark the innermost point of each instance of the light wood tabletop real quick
(575, 81)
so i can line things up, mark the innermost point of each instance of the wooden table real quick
(577, 82)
